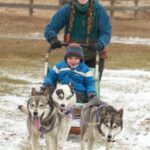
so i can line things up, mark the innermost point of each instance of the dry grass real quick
(13, 81)
(23, 54)
(136, 27)
(128, 57)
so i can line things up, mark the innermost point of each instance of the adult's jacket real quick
(101, 30)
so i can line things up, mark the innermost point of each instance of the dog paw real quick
(23, 109)
(59, 147)
(20, 107)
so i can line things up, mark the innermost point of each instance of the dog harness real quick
(98, 111)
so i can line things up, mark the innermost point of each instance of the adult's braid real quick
(90, 18)
(72, 18)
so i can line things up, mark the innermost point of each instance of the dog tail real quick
(23, 109)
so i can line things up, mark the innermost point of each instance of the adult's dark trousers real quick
(91, 63)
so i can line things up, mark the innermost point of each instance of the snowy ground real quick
(115, 39)
(125, 89)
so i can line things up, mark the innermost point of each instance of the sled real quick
(75, 129)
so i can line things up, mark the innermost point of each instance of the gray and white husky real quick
(50, 115)
(99, 119)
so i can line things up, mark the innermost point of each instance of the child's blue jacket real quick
(81, 77)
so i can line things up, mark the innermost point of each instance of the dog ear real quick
(58, 84)
(46, 91)
(71, 85)
(120, 111)
(104, 111)
(107, 110)
(51, 89)
(34, 92)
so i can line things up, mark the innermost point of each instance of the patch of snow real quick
(127, 89)
(115, 39)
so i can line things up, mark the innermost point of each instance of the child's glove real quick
(55, 43)
(92, 96)
(44, 87)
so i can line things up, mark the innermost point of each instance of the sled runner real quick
(75, 129)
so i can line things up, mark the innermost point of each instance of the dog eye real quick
(107, 125)
(41, 105)
(60, 96)
(69, 97)
(115, 126)
(32, 105)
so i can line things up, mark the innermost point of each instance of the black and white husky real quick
(50, 115)
(99, 119)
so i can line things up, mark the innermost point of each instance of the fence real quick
(135, 8)
(112, 7)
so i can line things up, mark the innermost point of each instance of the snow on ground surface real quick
(115, 39)
(127, 89)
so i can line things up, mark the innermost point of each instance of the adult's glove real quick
(96, 47)
(55, 43)
(42, 89)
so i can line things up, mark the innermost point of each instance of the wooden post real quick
(112, 2)
(136, 2)
(31, 7)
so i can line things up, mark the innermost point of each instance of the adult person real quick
(84, 21)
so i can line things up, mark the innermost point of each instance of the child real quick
(73, 69)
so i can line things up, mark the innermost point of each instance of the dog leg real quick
(90, 142)
(63, 132)
(82, 136)
(55, 143)
(50, 143)
(82, 144)
(23, 109)
(108, 145)
(35, 142)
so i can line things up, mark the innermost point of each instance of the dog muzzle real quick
(110, 139)
(65, 111)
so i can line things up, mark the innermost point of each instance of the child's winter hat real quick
(76, 50)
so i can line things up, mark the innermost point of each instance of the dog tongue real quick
(37, 123)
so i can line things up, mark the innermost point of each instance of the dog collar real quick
(66, 112)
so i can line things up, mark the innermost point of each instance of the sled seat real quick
(75, 128)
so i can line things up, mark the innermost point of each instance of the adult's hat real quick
(74, 50)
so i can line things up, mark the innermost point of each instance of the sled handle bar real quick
(82, 45)
(67, 44)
